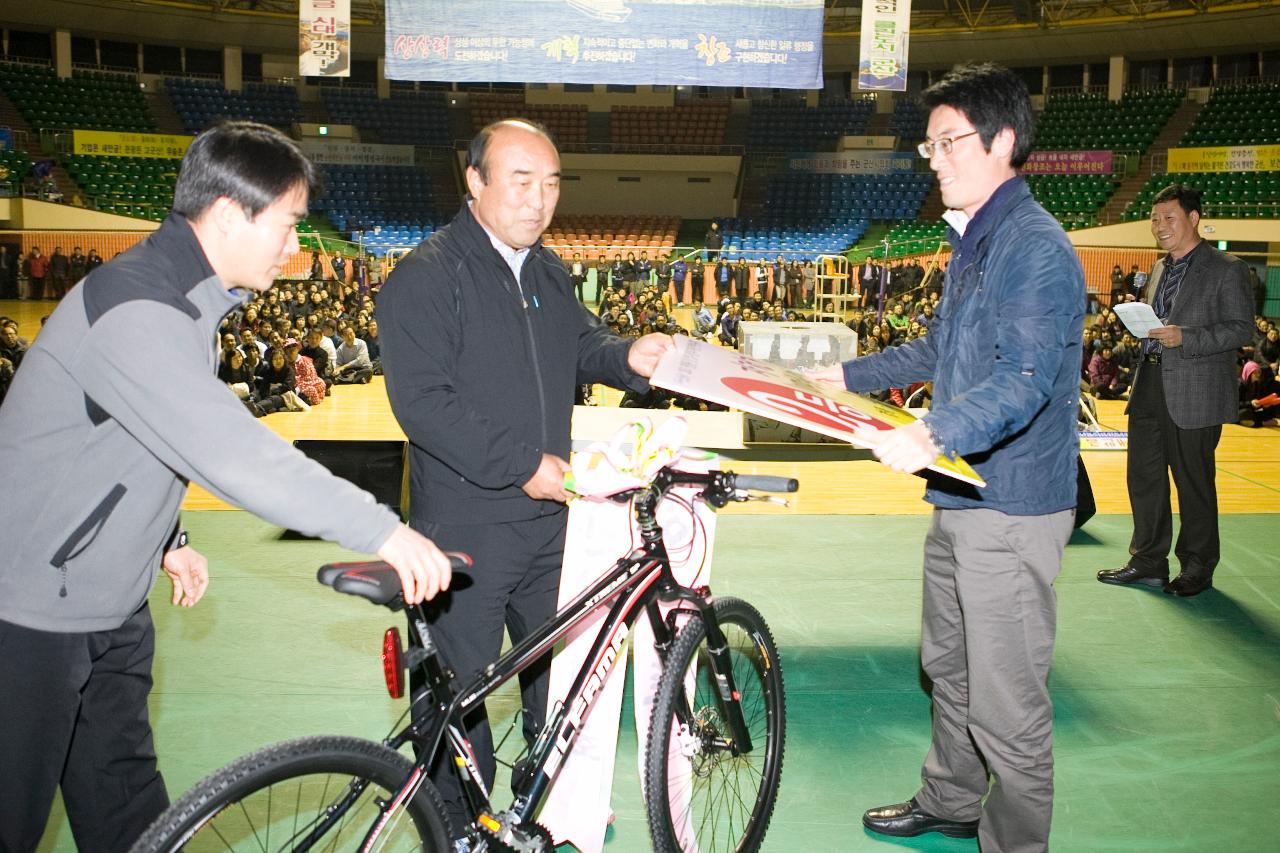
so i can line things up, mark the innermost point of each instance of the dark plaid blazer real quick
(1214, 309)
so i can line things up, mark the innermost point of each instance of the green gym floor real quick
(1168, 710)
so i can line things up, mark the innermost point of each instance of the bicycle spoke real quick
(723, 799)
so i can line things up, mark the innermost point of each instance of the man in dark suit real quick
(1185, 389)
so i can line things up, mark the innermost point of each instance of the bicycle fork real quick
(722, 671)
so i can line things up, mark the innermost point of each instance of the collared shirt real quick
(514, 257)
(1167, 292)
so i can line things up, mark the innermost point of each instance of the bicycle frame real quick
(637, 582)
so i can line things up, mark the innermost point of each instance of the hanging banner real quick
(1239, 158)
(854, 163)
(324, 38)
(110, 143)
(356, 153)
(882, 56)
(1068, 163)
(750, 43)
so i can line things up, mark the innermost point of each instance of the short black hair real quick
(1187, 197)
(992, 98)
(250, 163)
(479, 146)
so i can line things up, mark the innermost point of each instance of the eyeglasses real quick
(943, 145)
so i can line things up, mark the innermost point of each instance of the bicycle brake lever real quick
(743, 496)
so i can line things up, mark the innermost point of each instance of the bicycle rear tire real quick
(699, 794)
(271, 798)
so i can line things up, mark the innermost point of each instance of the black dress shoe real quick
(1185, 585)
(1127, 575)
(907, 819)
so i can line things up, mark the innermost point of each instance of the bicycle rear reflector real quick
(393, 662)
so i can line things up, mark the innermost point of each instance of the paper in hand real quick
(1138, 318)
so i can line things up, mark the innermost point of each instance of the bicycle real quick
(713, 759)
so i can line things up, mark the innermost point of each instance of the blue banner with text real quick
(754, 43)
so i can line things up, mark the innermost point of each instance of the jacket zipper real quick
(93, 523)
(537, 369)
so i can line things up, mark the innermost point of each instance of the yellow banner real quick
(106, 143)
(1240, 158)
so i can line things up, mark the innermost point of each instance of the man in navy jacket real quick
(483, 344)
(1004, 355)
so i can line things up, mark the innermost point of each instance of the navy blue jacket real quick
(481, 371)
(1004, 353)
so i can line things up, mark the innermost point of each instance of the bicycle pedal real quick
(502, 834)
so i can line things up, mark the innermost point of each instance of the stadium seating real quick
(131, 186)
(1239, 115)
(1089, 121)
(1234, 195)
(408, 118)
(18, 165)
(566, 122)
(699, 124)
(96, 100)
(601, 236)
(200, 103)
(909, 121)
(1074, 199)
(800, 239)
(913, 238)
(392, 205)
(792, 126)
(805, 195)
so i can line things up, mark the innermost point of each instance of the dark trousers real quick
(513, 584)
(354, 376)
(74, 714)
(1156, 447)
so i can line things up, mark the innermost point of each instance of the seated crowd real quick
(288, 347)
(1111, 355)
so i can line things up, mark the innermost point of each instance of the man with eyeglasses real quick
(1003, 351)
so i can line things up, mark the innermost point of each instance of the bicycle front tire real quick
(701, 793)
(273, 798)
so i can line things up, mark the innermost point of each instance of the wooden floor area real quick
(1248, 459)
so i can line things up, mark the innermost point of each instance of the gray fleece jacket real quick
(115, 409)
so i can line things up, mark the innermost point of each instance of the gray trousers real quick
(989, 619)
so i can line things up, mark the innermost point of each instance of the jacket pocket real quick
(85, 533)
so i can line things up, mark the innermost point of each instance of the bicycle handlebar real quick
(765, 483)
(377, 581)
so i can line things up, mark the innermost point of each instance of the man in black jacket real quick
(483, 343)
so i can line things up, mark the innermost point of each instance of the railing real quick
(19, 60)
(18, 138)
(1164, 86)
(121, 70)
(1070, 91)
(1244, 83)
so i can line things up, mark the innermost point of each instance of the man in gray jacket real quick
(1186, 388)
(104, 448)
